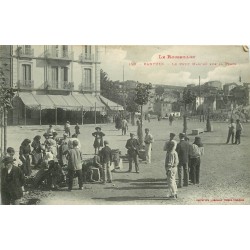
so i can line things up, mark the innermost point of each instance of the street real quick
(225, 173)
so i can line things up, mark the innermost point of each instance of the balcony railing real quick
(23, 51)
(82, 87)
(59, 54)
(85, 57)
(25, 84)
(60, 85)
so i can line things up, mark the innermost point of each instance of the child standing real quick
(77, 129)
(106, 160)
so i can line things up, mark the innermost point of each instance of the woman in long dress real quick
(24, 156)
(37, 151)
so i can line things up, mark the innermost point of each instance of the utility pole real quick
(200, 97)
(123, 73)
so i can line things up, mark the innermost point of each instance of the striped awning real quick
(77, 101)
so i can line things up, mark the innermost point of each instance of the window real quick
(87, 49)
(65, 50)
(27, 49)
(87, 78)
(55, 77)
(26, 70)
(88, 52)
(65, 74)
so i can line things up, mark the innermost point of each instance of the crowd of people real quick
(61, 158)
(58, 154)
(182, 158)
(234, 131)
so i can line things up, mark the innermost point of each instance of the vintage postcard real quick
(118, 125)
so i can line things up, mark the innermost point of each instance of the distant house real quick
(228, 87)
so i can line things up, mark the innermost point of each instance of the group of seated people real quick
(50, 157)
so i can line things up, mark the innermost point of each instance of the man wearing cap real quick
(183, 154)
(148, 140)
(106, 160)
(132, 146)
(12, 182)
(75, 166)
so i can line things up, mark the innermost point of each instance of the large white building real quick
(54, 82)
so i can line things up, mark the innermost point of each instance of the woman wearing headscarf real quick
(37, 150)
(171, 163)
(24, 156)
(98, 142)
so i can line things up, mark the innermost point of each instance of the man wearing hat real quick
(183, 153)
(132, 146)
(12, 182)
(75, 166)
(106, 160)
(98, 142)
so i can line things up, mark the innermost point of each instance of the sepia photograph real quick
(125, 124)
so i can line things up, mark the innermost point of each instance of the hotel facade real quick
(54, 83)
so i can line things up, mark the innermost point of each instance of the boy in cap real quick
(132, 146)
(106, 160)
(12, 182)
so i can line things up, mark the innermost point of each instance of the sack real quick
(195, 151)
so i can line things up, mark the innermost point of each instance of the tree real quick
(208, 124)
(110, 89)
(188, 97)
(141, 98)
(131, 105)
(6, 95)
(159, 90)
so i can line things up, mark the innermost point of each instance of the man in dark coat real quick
(132, 146)
(183, 153)
(12, 182)
(106, 160)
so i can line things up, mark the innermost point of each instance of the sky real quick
(153, 64)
